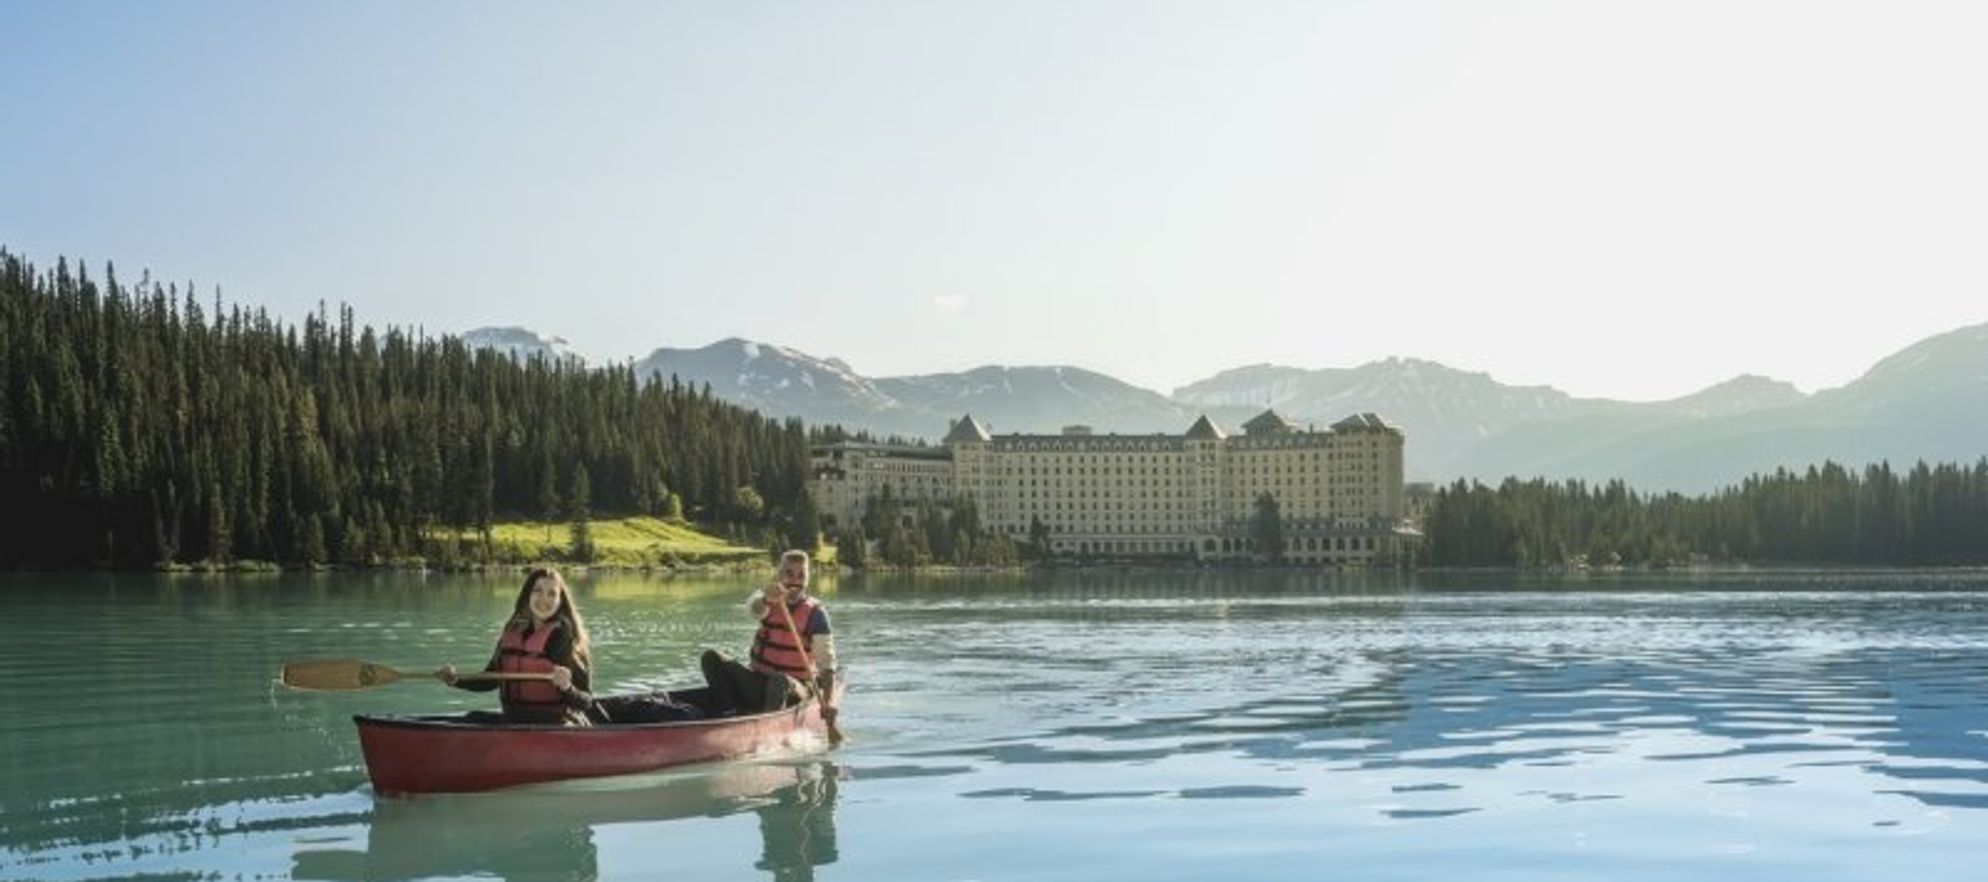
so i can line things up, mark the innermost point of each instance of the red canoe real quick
(458, 753)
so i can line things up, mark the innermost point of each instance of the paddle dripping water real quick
(1813, 726)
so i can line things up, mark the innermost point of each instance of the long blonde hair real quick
(568, 614)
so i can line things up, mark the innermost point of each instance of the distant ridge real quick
(784, 382)
(1920, 403)
(788, 382)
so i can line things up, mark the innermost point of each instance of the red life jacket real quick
(520, 653)
(773, 650)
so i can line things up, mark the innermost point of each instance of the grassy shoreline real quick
(644, 544)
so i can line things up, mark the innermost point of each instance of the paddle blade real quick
(337, 675)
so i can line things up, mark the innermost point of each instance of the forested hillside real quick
(1927, 515)
(139, 428)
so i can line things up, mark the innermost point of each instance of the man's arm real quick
(826, 663)
(824, 653)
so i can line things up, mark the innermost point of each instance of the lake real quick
(1069, 725)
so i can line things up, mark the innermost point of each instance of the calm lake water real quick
(1076, 726)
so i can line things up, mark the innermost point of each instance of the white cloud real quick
(950, 302)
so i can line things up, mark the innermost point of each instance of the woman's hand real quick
(447, 674)
(562, 678)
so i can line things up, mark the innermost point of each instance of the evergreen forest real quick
(138, 429)
(1930, 515)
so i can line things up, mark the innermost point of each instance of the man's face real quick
(794, 575)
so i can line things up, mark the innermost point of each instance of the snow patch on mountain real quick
(521, 343)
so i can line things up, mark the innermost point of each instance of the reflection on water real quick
(1787, 725)
(548, 832)
(797, 828)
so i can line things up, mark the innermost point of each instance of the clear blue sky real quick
(1624, 199)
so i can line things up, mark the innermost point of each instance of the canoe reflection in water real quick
(547, 832)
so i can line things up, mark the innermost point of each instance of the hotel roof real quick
(966, 430)
(1365, 421)
(1267, 422)
(1204, 429)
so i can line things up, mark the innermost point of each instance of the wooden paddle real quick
(351, 675)
(814, 679)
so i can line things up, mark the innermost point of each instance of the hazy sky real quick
(1631, 200)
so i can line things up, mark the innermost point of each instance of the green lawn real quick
(622, 542)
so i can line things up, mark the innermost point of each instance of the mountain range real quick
(1922, 403)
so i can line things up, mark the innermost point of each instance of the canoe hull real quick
(446, 754)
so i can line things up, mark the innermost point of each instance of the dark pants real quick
(736, 688)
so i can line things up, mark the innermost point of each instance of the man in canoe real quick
(781, 671)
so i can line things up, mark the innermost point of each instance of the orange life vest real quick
(518, 652)
(773, 649)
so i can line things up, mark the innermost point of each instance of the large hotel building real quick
(1339, 491)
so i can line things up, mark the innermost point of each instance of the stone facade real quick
(1181, 497)
(845, 476)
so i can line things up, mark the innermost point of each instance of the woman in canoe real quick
(543, 635)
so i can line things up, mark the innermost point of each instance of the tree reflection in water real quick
(547, 833)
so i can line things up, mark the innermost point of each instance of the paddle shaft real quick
(346, 675)
(474, 676)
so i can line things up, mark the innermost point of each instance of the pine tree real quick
(1267, 528)
(1038, 537)
(220, 539)
(580, 544)
(806, 533)
(548, 495)
(852, 548)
